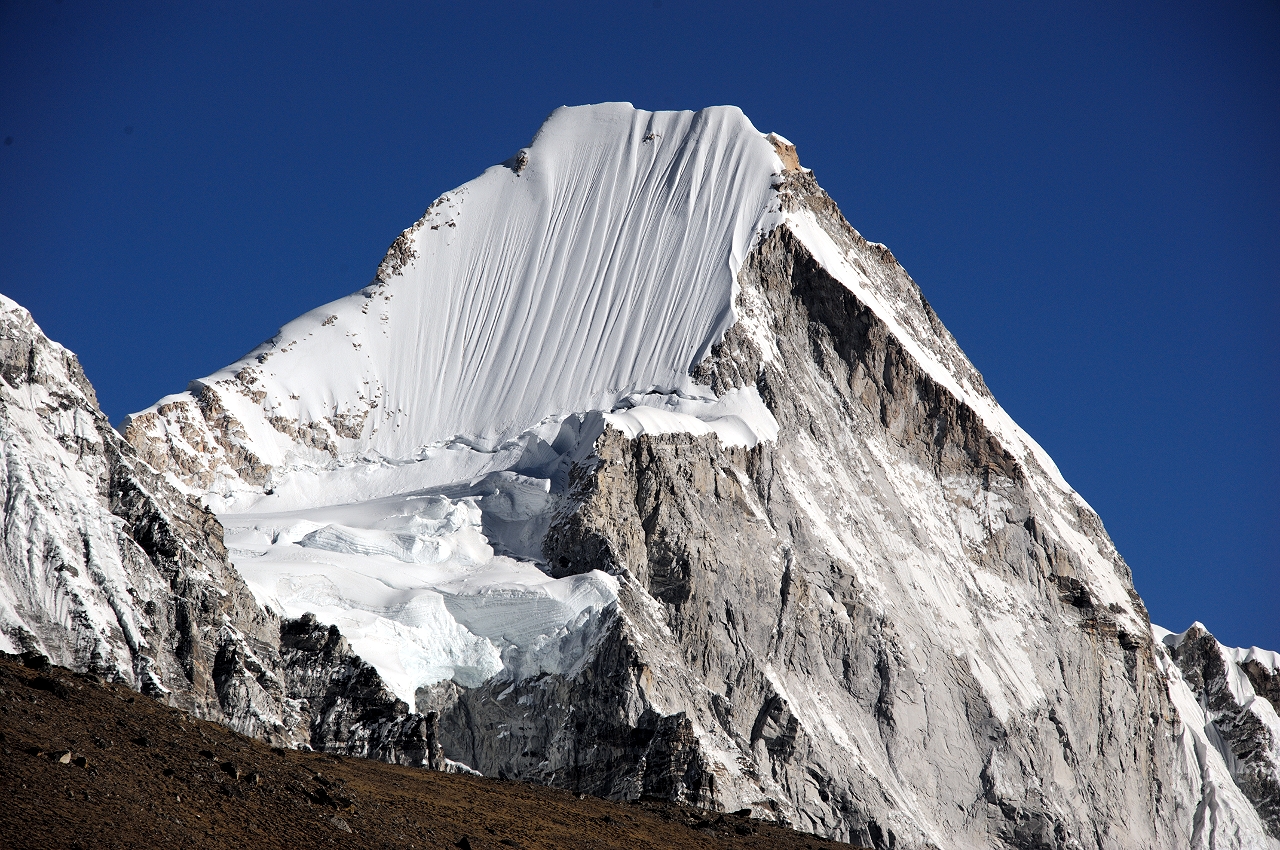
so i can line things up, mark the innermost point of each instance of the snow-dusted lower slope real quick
(647, 474)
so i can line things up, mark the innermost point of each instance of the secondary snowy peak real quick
(104, 567)
(597, 263)
(1228, 698)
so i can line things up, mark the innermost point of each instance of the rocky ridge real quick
(111, 570)
(1239, 693)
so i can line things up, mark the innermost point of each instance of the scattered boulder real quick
(54, 686)
(35, 660)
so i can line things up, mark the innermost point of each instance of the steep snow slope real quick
(589, 273)
(647, 473)
(596, 266)
(598, 263)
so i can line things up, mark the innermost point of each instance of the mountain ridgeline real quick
(638, 472)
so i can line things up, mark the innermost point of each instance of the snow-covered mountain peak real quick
(597, 264)
(592, 271)
(637, 470)
(582, 285)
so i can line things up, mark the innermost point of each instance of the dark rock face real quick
(1265, 681)
(352, 712)
(108, 568)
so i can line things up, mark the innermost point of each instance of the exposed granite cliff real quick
(879, 627)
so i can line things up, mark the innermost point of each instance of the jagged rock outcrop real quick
(352, 712)
(1236, 689)
(110, 569)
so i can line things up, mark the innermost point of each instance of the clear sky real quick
(1089, 196)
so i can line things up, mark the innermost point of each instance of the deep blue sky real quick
(1090, 198)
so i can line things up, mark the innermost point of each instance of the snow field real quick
(417, 589)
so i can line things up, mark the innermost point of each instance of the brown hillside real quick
(93, 765)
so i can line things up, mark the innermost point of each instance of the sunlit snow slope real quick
(598, 262)
(588, 273)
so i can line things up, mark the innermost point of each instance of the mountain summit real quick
(638, 471)
(598, 263)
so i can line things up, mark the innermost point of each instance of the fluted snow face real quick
(575, 285)
(598, 263)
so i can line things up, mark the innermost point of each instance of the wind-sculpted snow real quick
(590, 274)
(601, 267)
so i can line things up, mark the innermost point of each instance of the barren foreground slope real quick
(96, 765)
